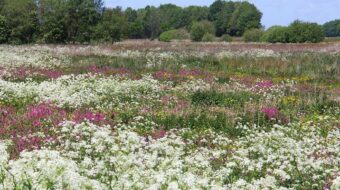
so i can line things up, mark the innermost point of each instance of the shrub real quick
(253, 35)
(180, 34)
(226, 38)
(207, 98)
(198, 29)
(208, 37)
(305, 32)
(276, 34)
(3, 30)
(332, 28)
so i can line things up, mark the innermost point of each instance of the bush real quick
(180, 34)
(226, 38)
(297, 32)
(332, 28)
(3, 30)
(276, 34)
(253, 35)
(208, 37)
(199, 29)
(305, 32)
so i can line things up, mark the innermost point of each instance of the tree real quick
(52, 18)
(245, 17)
(171, 16)
(332, 28)
(221, 13)
(81, 18)
(152, 22)
(22, 20)
(3, 30)
(113, 26)
(305, 32)
(193, 14)
(199, 29)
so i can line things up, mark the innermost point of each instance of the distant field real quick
(149, 115)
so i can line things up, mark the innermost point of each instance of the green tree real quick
(22, 20)
(332, 28)
(199, 29)
(152, 22)
(3, 30)
(81, 19)
(193, 14)
(222, 17)
(245, 17)
(52, 18)
(113, 26)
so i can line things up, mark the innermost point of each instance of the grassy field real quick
(180, 115)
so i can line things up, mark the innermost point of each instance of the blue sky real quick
(275, 12)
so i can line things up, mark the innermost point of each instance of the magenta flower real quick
(264, 84)
(270, 112)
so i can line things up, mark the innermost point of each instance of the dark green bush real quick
(253, 35)
(297, 32)
(198, 29)
(179, 34)
(301, 32)
(207, 98)
(3, 30)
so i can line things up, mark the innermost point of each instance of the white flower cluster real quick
(77, 91)
(97, 157)
(18, 56)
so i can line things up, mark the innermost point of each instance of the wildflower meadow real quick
(152, 115)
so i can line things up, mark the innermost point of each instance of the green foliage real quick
(226, 38)
(297, 32)
(245, 17)
(208, 37)
(332, 28)
(198, 30)
(207, 98)
(113, 26)
(253, 35)
(234, 18)
(53, 27)
(3, 30)
(22, 20)
(179, 34)
(305, 32)
(277, 34)
(230, 99)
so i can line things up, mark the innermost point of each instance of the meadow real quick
(179, 115)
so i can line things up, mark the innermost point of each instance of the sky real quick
(275, 12)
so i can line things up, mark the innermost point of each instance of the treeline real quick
(84, 21)
(87, 21)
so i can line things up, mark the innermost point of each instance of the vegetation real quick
(296, 32)
(208, 37)
(253, 35)
(179, 34)
(199, 29)
(226, 38)
(332, 28)
(85, 117)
